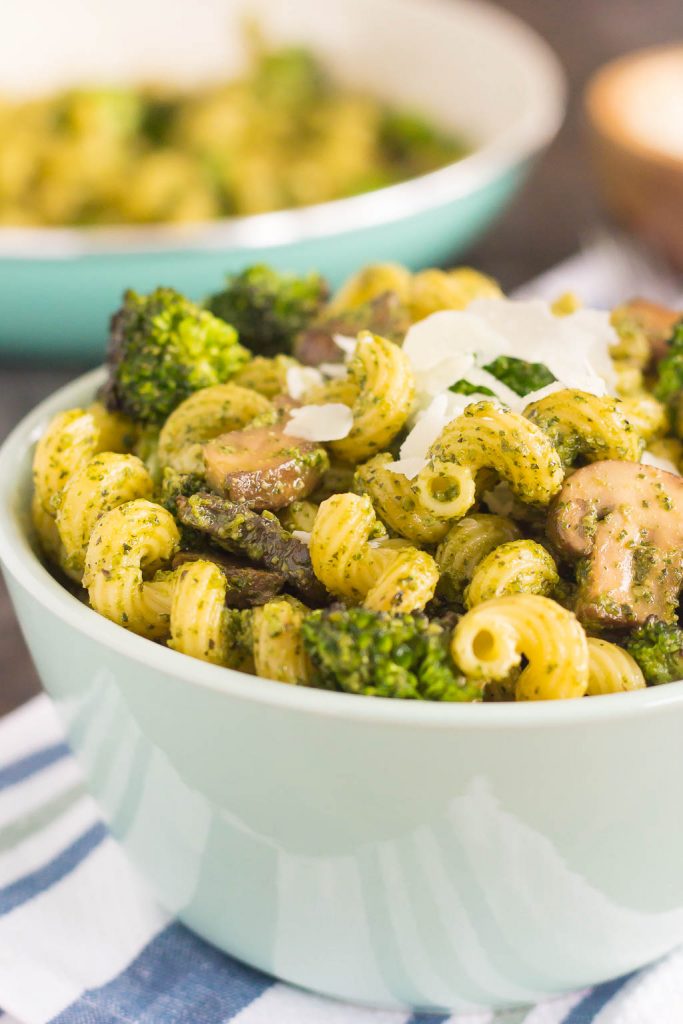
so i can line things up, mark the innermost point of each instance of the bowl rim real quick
(534, 128)
(599, 88)
(21, 562)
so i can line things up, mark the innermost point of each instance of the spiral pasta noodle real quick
(204, 415)
(371, 282)
(197, 625)
(646, 415)
(385, 386)
(433, 290)
(72, 438)
(611, 669)
(128, 543)
(486, 436)
(586, 426)
(278, 647)
(267, 376)
(467, 542)
(116, 432)
(518, 566)
(385, 578)
(106, 480)
(489, 642)
(397, 502)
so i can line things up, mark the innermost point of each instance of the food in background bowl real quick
(470, 68)
(283, 134)
(463, 511)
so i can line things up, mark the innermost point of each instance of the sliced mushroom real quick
(655, 322)
(258, 537)
(247, 586)
(262, 467)
(626, 521)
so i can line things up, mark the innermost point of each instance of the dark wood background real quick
(556, 211)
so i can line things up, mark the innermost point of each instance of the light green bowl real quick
(470, 67)
(390, 852)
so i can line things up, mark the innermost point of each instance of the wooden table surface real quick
(556, 211)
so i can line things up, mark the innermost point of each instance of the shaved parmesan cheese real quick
(648, 459)
(409, 467)
(444, 408)
(429, 425)
(575, 348)
(300, 379)
(336, 371)
(329, 422)
(444, 347)
(303, 536)
(345, 343)
(439, 337)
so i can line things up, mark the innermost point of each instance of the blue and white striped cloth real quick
(83, 942)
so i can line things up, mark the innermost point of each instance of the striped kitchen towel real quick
(83, 942)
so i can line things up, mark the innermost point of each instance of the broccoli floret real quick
(289, 78)
(520, 376)
(237, 626)
(268, 309)
(669, 384)
(416, 145)
(162, 347)
(176, 485)
(658, 649)
(382, 655)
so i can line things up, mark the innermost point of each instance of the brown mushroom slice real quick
(654, 321)
(247, 586)
(626, 521)
(262, 467)
(385, 314)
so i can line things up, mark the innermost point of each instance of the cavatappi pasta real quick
(468, 541)
(489, 509)
(353, 566)
(486, 436)
(203, 416)
(490, 640)
(105, 482)
(586, 427)
(385, 391)
(397, 502)
(611, 669)
(520, 566)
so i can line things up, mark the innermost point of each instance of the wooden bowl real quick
(635, 112)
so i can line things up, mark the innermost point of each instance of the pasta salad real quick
(413, 488)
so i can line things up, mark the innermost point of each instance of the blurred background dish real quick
(471, 70)
(282, 132)
(635, 110)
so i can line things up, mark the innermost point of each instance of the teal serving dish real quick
(469, 66)
(395, 853)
